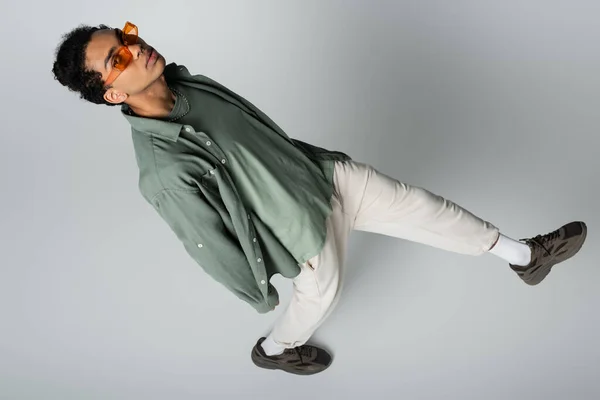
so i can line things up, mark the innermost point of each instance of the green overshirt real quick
(246, 200)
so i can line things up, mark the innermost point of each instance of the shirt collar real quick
(157, 127)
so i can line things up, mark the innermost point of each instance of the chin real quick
(160, 64)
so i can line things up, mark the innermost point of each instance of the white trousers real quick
(365, 199)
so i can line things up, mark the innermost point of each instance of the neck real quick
(157, 101)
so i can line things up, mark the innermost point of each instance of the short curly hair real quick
(70, 69)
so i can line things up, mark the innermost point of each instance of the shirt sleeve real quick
(209, 238)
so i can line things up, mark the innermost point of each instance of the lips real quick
(151, 57)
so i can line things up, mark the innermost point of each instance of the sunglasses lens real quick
(122, 59)
(130, 33)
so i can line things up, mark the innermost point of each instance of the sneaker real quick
(551, 249)
(301, 360)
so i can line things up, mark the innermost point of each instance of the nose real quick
(136, 49)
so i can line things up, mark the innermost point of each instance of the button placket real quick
(251, 231)
(214, 149)
(256, 248)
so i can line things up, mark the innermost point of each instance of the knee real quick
(330, 290)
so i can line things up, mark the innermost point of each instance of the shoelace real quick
(301, 351)
(543, 240)
(550, 236)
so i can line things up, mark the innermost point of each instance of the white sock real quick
(271, 348)
(513, 251)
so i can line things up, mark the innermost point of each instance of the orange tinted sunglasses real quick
(123, 56)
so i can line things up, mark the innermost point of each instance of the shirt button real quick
(254, 240)
(223, 161)
(259, 260)
(208, 143)
(187, 129)
(212, 171)
(200, 245)
(263, 282)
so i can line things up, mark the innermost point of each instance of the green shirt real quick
(246, 201)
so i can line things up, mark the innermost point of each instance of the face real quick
(144, 69)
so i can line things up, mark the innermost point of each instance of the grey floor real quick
(493, 104)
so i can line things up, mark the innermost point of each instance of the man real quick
(248, 202)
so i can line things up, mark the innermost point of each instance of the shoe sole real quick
(545, 270)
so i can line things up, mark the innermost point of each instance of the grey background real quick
(493, 104)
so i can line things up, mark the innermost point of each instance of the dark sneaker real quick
(301, 360)
(551, 249)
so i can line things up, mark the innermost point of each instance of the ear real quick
(115, 97)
